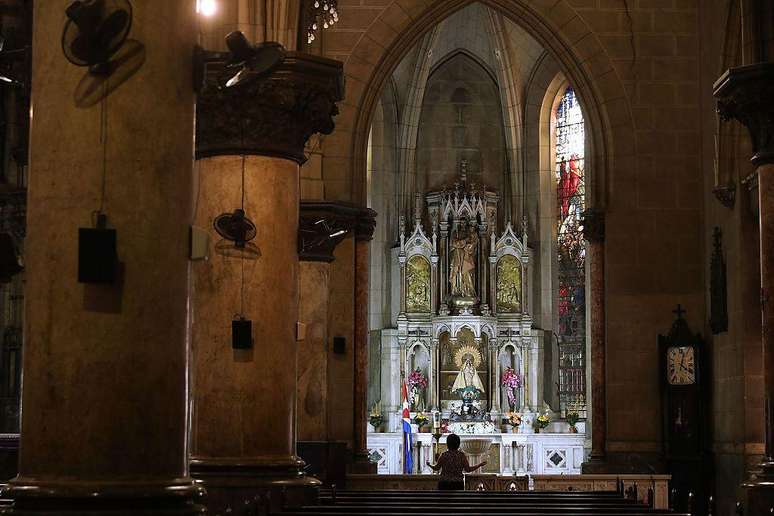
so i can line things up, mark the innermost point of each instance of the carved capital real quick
(726, 195)
(366, 224)
(744, 93)
(269, 116)
(594, 225)
(323, 224)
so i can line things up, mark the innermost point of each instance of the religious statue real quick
(463, 263)
(468, 379)
(468, 383)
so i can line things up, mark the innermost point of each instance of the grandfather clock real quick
(684, 387)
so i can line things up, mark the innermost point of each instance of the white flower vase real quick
(527, 422)
(371, 428)
(414, 428)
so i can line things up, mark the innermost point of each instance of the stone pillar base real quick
(41, 498)
(595, 466)
(757, 494)
(362, 465)
(237, 484)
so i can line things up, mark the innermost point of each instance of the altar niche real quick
(464, 323)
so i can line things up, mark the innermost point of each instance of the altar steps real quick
(473, 503)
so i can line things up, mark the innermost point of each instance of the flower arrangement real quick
(417, 379)
(421, 419)
(572, 419)
(511, 381)
(542, 420)
(375, 418)
(514, 418)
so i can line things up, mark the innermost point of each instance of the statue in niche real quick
(468, 358)
(468, 384)
(509, 284)
(418, 280)
(463, 264)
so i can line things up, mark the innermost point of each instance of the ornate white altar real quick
(463, 322)
(515, 454)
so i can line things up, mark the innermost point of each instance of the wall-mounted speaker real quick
(241, 333)
(339, 345)
(97, 255)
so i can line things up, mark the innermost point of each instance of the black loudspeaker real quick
(339, 345)
(97, 255)
(241, 333)
(9, 260)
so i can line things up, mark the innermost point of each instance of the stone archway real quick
(556, 25)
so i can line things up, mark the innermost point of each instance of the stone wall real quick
(637, 73)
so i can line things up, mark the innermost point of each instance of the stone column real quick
(244, 400)
(104, 406)
(364, 231)
(435, 358)
(493, 285)
(322, 226)
(434, 284)
(744, 93)
(444, 270)
(494, 346)
(594, 233)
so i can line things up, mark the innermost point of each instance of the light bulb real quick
(311, 38)
(206, 7)
(325, 25)
(325, 7)
(314, 26)
(316, 4)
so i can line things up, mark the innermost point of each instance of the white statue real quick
(468, 377)
(463, 264)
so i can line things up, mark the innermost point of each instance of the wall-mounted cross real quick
(679, 311)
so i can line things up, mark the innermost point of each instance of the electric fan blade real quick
(8, 80)
(240, 48)
(113, 26)
(237, 78)
(86, 15)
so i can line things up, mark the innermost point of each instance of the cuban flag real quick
(408, 461)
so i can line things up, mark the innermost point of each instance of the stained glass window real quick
(571, 252)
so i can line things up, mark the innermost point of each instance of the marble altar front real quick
(545, 453)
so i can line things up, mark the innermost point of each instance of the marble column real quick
(244, 400)
(744, 93)
(594, 234)
(323, 225)
(104, 406)
(364, 232)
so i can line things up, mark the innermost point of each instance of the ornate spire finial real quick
(464, 171)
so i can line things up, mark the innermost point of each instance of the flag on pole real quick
(408, 461)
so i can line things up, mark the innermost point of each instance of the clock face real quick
(681, 365)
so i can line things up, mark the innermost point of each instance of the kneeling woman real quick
(452, 463)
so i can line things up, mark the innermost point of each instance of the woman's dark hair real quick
(453, 442)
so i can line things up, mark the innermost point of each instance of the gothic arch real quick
(554, 24)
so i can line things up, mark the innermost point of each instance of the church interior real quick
(266, 256)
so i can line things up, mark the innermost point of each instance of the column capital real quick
(322, 225)
(366, 224)
(594, 225)
(744, 93)
(268, 116)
